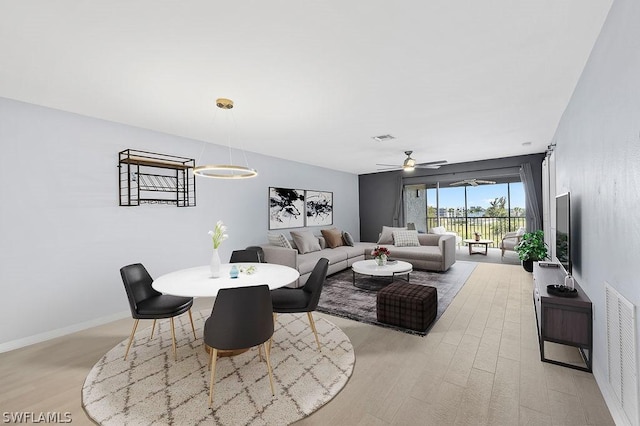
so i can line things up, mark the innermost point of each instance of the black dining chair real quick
(241, 318)
(260, 252)
(304, 299)
(246, 255)
(147, 303)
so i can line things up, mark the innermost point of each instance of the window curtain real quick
(533, 212)
(398, 212)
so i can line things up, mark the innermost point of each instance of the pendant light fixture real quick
(226, 171)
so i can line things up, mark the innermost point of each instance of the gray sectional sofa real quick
(435, 253)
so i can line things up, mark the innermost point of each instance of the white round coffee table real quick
(371, 268)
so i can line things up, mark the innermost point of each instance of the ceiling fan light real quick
(408, 168)
(409, 162)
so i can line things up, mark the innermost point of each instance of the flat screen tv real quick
(563, 231)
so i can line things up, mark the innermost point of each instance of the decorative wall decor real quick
(151, 178)
(286, 208)
(319, 208)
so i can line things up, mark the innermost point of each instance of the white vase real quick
(382, 260)
(215, 264)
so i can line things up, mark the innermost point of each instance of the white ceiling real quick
(312, 81)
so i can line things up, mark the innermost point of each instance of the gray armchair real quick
(510, 240)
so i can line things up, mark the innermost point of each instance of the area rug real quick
(151, 388)
(341, 298)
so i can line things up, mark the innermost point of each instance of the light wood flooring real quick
(479, 365)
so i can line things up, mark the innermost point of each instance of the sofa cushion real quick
(351, 252)
(278, 240)
(305, 241)
(307, 262)
(428, 253)
(406, 238)
(322, 242)
(333, 237)
(348, 239)
(386, 237)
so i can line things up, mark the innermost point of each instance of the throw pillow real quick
(278, 240)
(305, 241)
(333, 237)
(440, 230)
(386, 237)
(407, 238)
(348, 239)
(520, 232)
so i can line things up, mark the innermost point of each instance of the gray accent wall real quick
(598, 162)
(63, 237)
(379, 191)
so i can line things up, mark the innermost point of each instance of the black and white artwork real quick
(319, 208)
(286, 208)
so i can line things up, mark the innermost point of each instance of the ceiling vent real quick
(383, 138)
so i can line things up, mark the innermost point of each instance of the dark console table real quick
(563, 320)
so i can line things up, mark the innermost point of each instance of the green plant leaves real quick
(532, 246)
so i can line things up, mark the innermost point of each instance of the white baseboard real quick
(48, 335)
(619, 417)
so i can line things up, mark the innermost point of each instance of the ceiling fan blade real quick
(458, 183)
(485, 181)
(432, 163)
(390, 168)
(388, 165)
(427, 166)
(473, 183)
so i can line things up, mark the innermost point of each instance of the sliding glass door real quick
(490, 210)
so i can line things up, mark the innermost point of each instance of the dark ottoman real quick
(407, 305)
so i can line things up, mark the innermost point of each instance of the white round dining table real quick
(197, 282)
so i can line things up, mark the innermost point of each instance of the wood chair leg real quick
(275, 318)
(153, 328)
(193, 328)
(313, 327)
(268, 356)
(173, 336)
(133, 331)
(212, 361)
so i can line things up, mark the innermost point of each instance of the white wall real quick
(598, 161)
(63, 237)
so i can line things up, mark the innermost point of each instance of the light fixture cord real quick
(204, 143)
(232, 124)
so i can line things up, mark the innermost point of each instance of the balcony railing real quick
(490, 228)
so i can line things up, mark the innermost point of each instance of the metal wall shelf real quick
(151, 178)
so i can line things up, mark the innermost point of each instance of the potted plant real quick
(531, 248)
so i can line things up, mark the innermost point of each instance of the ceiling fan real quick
(472, 182)
(410, 164)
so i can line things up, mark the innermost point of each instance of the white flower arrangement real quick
(218, 234)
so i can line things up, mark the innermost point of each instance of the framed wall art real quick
(318, 208)
(286, 208)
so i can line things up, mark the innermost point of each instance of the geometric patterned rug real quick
(150, 387)
(341, 298)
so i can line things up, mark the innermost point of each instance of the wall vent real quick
(621, 352)
(383, 138)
